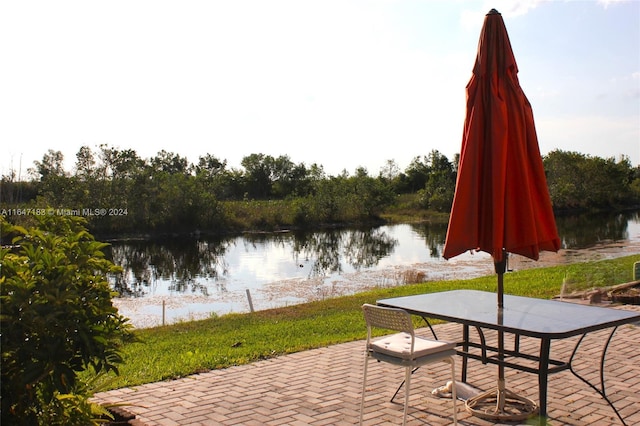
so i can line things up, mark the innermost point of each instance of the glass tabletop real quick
(523, 315)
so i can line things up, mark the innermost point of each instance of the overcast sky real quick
(339, 83)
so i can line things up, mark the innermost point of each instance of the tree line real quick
(166, 192)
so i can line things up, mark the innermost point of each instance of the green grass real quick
(178, 350)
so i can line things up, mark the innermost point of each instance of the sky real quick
(340, 83)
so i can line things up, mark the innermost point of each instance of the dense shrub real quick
(57, 320)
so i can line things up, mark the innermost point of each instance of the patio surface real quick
(323, 386)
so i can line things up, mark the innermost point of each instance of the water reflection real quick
(328, 250)
(434, 235)
(585, 230)
(192, 265)
(204, 267)
(181, 263)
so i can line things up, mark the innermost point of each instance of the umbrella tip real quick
(493, 12)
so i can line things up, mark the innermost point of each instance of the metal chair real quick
(403, 349)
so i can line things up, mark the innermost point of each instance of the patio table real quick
(546, 320)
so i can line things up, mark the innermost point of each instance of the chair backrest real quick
(387, 318)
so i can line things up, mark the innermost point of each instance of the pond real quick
(183, 279)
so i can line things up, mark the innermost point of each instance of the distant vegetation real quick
(122, 194)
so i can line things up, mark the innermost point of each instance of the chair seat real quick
(399, 345)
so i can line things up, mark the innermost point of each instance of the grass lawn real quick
(181, 349)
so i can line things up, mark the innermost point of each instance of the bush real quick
(57, 320)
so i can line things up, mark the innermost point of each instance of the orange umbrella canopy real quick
(501, 201)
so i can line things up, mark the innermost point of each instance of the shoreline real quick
(149, 312)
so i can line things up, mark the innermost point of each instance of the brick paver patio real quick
(323, 387)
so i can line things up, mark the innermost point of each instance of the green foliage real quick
(72, 408)
(345, 199)
(263, 215)
(437, 176)
(577, 181)
(166, 194)
(57, 320)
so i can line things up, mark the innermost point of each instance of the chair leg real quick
(454, 396)
(401, 385)
(364, 385)
(407, 387)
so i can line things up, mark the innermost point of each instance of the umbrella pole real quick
(501, 267)
(501, 403)
(500, 270)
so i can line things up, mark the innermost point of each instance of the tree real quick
(634, 186)
(169, 162)
(213, 178)
(390, 170)
(52, 164)
(57, 320)
(417, 174)
(370, 195)
(578, 181)
(210, 167)
(440, 186)
(564, 179)
(53, 178)
(120, 164)
(85, 163)
(258, 175)
(288, 178)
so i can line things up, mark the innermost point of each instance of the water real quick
(197, 278)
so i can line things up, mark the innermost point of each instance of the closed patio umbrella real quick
(501, 203)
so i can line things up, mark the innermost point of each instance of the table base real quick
(501, 404)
